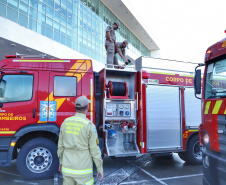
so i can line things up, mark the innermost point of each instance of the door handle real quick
(33, 112)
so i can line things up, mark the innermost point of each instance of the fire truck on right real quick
(212, 131)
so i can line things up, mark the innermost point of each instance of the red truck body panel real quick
(166, 79)
(15, 115)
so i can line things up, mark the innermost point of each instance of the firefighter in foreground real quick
(77, 147)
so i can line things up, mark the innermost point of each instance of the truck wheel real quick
(193, 155)
(183, 155)
(38, 159)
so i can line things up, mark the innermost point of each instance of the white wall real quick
(28, 38)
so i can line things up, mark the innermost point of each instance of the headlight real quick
(206, 161)
(206, 138)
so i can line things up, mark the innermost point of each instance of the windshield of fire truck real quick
(215, 86)
(16, 88)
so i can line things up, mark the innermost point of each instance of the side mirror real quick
(197, 82)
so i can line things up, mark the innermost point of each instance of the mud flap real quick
(6, 151)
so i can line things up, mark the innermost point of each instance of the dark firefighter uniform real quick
(110, 46)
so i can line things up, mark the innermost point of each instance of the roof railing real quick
(120, 67)
(31, 56)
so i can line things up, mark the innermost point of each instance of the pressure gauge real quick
(121, 106)
(127, 106)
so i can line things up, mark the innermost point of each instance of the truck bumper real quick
(6, 151)
(215, 172)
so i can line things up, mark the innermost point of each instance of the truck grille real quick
(222, 132)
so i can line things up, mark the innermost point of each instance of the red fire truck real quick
(213, 127)
(135, 111)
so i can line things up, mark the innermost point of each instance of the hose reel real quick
(117, 90)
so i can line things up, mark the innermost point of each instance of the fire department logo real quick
(48, 111)
(153, 81)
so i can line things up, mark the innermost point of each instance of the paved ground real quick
(145, 170)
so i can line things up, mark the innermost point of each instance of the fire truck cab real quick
(36, 96)
(213, 127)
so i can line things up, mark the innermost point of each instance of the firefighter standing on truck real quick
(120, 48)
(77, 147)
(110, 43)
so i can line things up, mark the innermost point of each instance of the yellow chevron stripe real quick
(207, 107)
(60, 101)
(217, 106)
(74, 67)
(78, 76)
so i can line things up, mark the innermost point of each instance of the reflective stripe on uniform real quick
(78, 119)
(90, 182)
(78, 172)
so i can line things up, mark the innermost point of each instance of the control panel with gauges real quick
(118, 109)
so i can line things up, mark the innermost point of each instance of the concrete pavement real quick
(145, 170)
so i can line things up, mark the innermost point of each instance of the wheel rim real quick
(39, 160)
(197, 149)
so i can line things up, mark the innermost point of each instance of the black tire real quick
(38, 159)
(193, 155)
(183, 155)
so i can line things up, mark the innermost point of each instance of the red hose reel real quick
(117, 90)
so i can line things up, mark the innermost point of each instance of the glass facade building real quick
(78, 24)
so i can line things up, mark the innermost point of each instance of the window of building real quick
(23, 20)
(42, 8)
(12, 14)
(50, 3)
(32, 25)
(49, 32)
(16, 88)
(3, 1)
(65, 86)
(72, 23)
(69, 6)
(33, 13)
(23, 8)
(49, 12)
(25, 1)
(34, 4)
(2, 10)
(13, 4)
(57, 36)
(49, 22)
